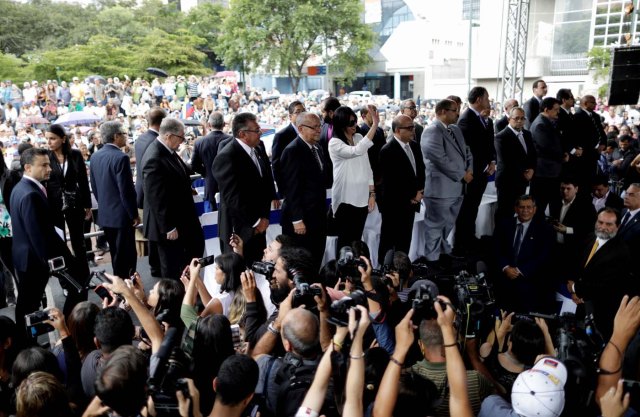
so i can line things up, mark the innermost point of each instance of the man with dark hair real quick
(516, 156)
(566, 119)
(234, 386)
(478, 136)
(154, 119)
(630, 226)
(620, 166)
(113, 329)
(503, 122)
(112, 185)
(449, 169)
(533, 106)
(589, 132)
(523, 250)
(122, 381)
(205, 151)
(243, 174)
(327, 107)
(602, 195)
(604, 273)
(305, 207)
(35, 240)
(282, 139)
(170, 217)
(546, 138)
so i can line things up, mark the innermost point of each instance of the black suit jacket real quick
(281, 140)
(548, 148)
(74, 180)
(399, 183)
(500, 124)
(324, 145)
(567, 129)
(479, 139)
(630, 231)
(245, 196)
(140, 147)
(204, 152)
(168, 198)
(581, 216)
(614, 201)
(305, 192)
(531, 111)
(513, 160)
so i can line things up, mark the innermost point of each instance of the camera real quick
(339, 309)
(348, 263)
(264, 268)
(422, 304)
(304, 293)
(206, 261)
(168, 376)
(474, 298)
(36, 323)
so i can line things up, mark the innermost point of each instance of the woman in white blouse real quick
(353, 195)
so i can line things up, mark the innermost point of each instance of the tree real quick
(284, 35)
(175, 53)
(599, 62)
(13, 68)
(205, 21)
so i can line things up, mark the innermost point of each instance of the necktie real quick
(484, 124)
(593, 116)
(625, 219)
(522, 142)
(44, 190)
(256, 160)
(517, 241)
(412, 159)
(314, 151)
(179, 162)
(593, 251)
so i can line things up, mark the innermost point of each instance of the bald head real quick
(509, 104)
(588, 103)
(403, 128)
(308, 125)
(301, 331)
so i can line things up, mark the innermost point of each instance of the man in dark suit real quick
(516, 156)
(572, 216)
(403, 177)
(327, 107)
(546, 138)
(112, 185)
(35, 240)
(630, 226)
(589, 133)
(604, 273)
(154, 119)
(523, 251)
(479, 137)
(409, 108)
(603, 197)
(246, 188)
(503, 122)
(282, 139)
(532, 107)
(566, 122)
(304, 211)
(448, 169)
(204, 152)
(170, 217)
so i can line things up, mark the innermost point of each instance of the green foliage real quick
(284, 35)
(175, 53)
(599, 62)
(12, 68)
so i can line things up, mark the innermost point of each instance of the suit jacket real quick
(513, 160)
(324, 145)
(204, 152)
(614, 201)
(140, 147)
(446, 161)
(531, 111)
(566, 127)
(546, 139)
(630, 231)
(374, 152)
(112, 185)
(281, 140)
(168, 200)
(399, 182)
(305, 192)
(589, 131)
(479, 138)
(34, 238)
(581, 216)
(500, 124)
(75, 179)
(245, 196)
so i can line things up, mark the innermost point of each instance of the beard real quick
(279, 294)
(605, 235)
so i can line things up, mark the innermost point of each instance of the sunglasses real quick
(352, 123)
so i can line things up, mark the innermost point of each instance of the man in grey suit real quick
(449, 167)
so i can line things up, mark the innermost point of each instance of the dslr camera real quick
(339, 309)
(304, 293)
(348, 264)
(36, 323)
(264, 268)
(169, 374)
(422, 304)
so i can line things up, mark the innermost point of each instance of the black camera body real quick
(206, 261)
(474, 298)
(348, 263)
(422, 304)
(304, 293)
(264, 268)
(168, 377)
(35, 323)
(339, 309)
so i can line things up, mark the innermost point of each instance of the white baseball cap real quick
(539, 391)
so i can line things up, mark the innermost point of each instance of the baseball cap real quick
(539, 391)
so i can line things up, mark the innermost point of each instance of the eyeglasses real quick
(257, 131)
(317, 127)
(352, 123)
(407, 127)
(178, 136)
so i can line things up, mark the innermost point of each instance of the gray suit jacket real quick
(446, 161)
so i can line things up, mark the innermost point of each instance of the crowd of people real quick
(287, 333)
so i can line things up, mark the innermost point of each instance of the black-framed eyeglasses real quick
(407, 127)
(178, 136)
(256, 131)
(313, 127)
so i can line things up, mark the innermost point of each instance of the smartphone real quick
(56, 264)
(235, 335)
(103, 293)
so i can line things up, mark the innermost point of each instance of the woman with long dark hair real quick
(353, 194)
(8, 179)
(68, 192)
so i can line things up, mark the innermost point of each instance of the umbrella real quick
(92, 78)
(266, 129)
(223, 74)
(192, 122)
(157, 71)
(77, 118)
(34, 120)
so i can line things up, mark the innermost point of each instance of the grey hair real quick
(303, 334)
(108, 131)
(304, 117)
(515, 108)
(216, 120)
(430, 333)
(171, 125)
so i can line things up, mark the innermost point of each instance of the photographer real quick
(378, 300)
